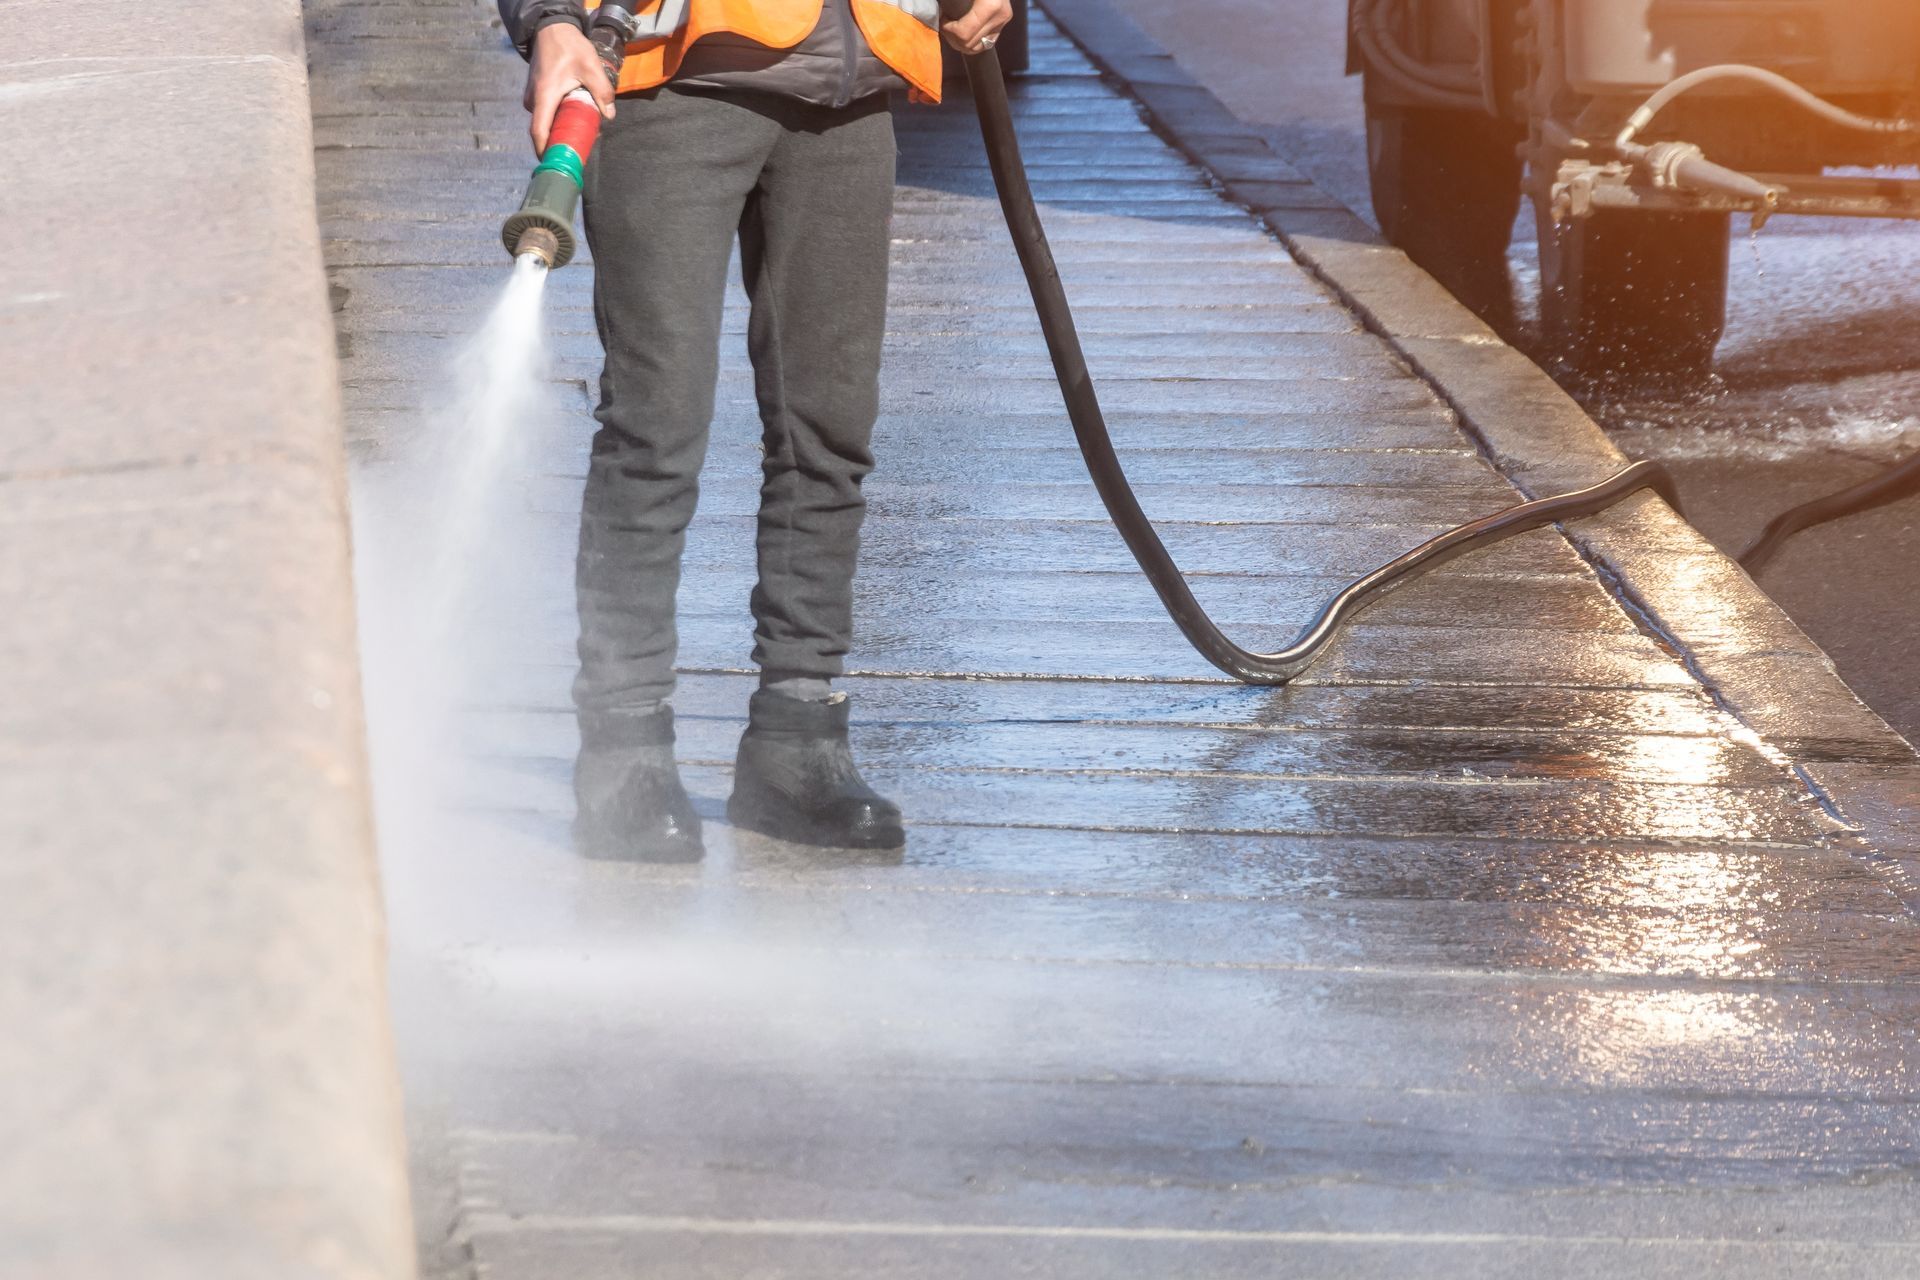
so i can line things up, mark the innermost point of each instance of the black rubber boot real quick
(631, 806)
(795, 779)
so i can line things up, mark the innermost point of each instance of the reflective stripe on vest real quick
(904, 34)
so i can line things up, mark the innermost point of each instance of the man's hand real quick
(985, 20)
(563, 60)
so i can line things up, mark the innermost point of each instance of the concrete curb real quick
(200, 1076)
(1748, 654)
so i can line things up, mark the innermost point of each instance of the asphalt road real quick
(1816, 386)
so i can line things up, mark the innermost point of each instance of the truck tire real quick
(1634, 296)
(1446, 189)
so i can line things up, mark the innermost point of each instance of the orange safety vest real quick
(904, 34)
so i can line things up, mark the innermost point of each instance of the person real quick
(769, 120)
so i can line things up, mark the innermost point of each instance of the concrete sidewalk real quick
(200, 1079)
(1497, 947)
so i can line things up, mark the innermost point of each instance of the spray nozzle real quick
(539, 242)
(543, 225)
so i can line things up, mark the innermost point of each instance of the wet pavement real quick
(1495, 947)
(1816, 386)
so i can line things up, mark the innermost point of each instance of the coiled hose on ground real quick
(1110, 479)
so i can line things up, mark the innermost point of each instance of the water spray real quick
(542, 227)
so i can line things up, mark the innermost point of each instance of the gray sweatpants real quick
(810, 191)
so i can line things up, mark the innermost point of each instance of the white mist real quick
(438, 519)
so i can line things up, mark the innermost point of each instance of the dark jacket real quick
(831, 67)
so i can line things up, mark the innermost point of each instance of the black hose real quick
(1891, 485)
(1110, 480)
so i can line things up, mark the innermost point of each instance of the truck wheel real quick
(1446, 189)
(1635, 295)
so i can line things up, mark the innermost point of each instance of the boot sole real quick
(783, 824)
(652, 859)
(678, 854)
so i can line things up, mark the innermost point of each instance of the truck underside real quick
(1756, 104)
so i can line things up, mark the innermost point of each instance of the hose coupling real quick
(610, 30)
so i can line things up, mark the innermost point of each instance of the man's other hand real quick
(563, 60)
(985, 20)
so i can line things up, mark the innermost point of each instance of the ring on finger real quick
(985, 43)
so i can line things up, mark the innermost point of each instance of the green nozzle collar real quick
(561, 158)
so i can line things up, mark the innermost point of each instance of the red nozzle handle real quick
(576, 123)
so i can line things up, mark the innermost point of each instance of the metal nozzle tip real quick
(540, 243)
